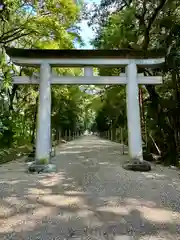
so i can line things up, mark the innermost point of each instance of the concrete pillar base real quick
(137, 165)
(33, 167)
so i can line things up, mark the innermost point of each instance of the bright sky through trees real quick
(86, 32)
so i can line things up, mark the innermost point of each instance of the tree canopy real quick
(46, 25)
(143, 24)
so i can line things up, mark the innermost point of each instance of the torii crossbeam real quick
(87, 59)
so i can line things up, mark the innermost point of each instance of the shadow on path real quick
(90, 197)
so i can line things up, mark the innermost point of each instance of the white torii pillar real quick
(133, 113)
(43, 137)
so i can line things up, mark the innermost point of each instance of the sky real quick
(87, 35)
(86, 32)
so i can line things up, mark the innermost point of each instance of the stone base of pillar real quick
(137, 165)
(33, 167)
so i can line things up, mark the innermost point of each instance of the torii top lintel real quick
(80, 58)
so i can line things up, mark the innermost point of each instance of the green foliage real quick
(54, 22)
(29, 25)
(112, 111)
(68, 108)
(43, 161)
(144, 24)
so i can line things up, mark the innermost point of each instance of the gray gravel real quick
(90, 197)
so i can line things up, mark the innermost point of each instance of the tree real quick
(47, 22)
(29, 25)
(146, 24)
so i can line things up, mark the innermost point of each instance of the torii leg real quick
(43, 139)
(134, 123)
(133, 113)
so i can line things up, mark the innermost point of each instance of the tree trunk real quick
(164, 132)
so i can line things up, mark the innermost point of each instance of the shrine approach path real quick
(90, 197)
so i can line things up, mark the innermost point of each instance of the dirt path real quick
(90, 197)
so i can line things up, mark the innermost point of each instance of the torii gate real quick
(87, 59)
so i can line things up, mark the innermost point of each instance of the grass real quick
(14, 153)
(10, 154)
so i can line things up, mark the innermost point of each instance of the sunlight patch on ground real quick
(147, 209)
(15, 201)
(158, 215)
(76, 152)
(5, 211)
(85, 213)
(62, 201)
(75, 193)
(12, 205)
(161, 236)
(138, 202)
(155, 215)
(52, 180)
(124, 210)
(12, 182)
(25, 221)
(33, 192)
(104, 163)
(154, 175)
(74, 147)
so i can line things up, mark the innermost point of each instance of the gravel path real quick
(90, 197)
